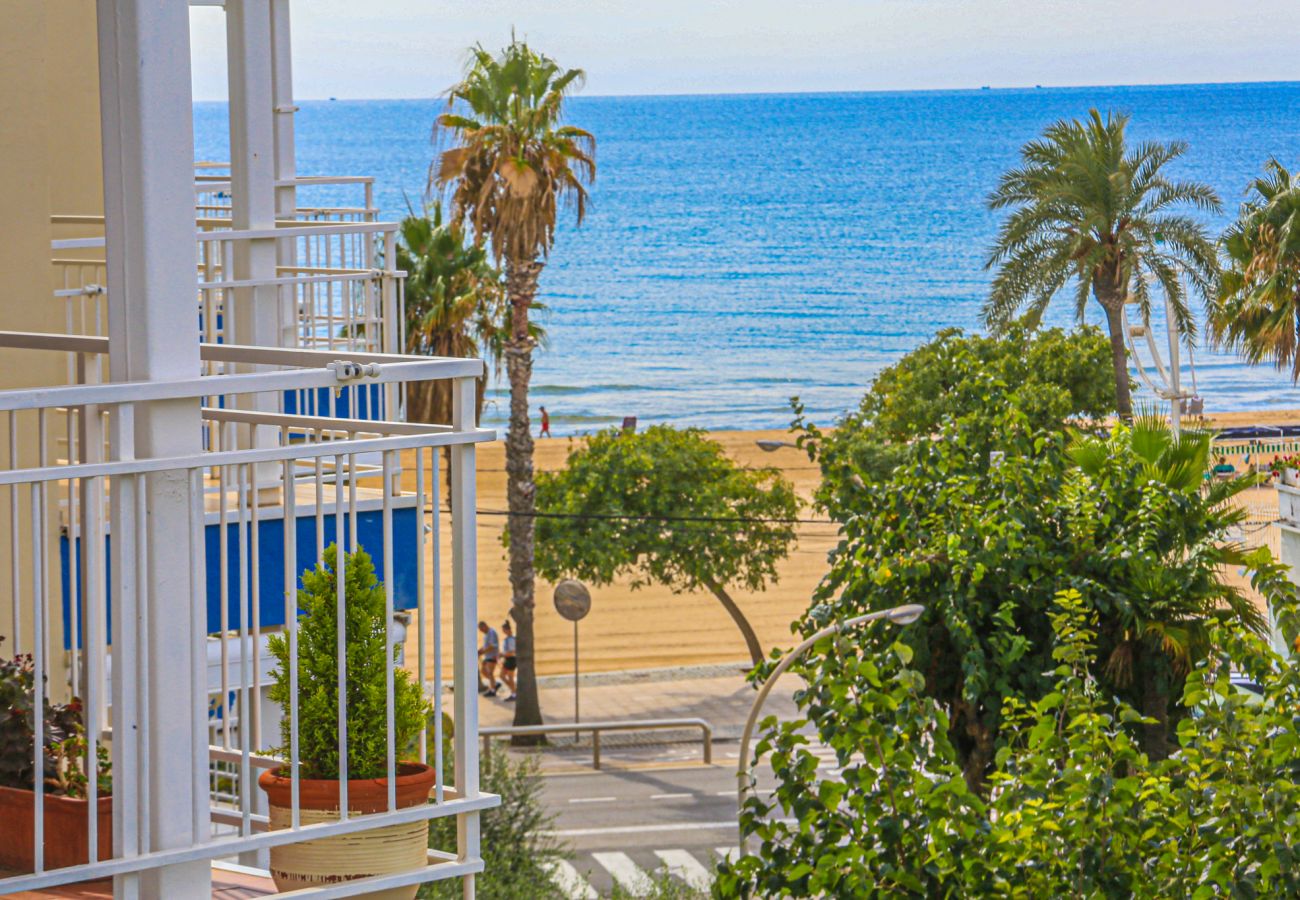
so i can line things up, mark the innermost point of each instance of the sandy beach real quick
(653, 627)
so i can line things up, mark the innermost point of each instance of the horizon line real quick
(826, 93)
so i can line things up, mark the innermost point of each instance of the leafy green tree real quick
(1152, 541)
(370, 656)
(1078, 811)
(1050, 375)
(665, 506)
(987, 520)
(1257, 311)
(981, 544)
(1088, 208)
(510, 166)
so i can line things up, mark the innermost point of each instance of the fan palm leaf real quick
(1257, 310)
(1085, 206)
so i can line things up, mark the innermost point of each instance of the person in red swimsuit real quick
(546, 423)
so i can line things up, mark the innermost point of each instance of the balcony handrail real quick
(229, 846)
(325, 179)
(343, 275)
(596, 729)
(66, 343)
(126, 392)
(326, 423)
(348, 447)
(88, 243)
(297, 227)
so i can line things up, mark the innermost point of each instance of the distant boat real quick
(333, 99)
(985, 87)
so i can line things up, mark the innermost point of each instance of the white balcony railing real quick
(338, 290)
(259, 515)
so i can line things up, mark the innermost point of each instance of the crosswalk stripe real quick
(566, 877)
(686, 867)
(624, 871)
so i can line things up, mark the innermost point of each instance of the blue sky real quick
(415, 48)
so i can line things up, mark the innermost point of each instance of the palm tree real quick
(509, 167)
(1087, 206)
(1160, 587)
(1257, 312)
(454, 305)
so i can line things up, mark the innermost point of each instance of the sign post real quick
(573, 602)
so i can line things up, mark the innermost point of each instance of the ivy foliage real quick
(1049, 375)
(370, 654)
(1078, 809)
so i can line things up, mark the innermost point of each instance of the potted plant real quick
(370, 655)
(63, 779)
(1290, 469)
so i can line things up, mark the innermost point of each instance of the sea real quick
(741, 250)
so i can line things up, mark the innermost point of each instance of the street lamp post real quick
(898, 615)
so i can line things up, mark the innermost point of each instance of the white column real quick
(282, 79)
(464, 588)
(257, 311)
(148, 149)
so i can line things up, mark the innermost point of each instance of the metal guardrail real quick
(598, 728)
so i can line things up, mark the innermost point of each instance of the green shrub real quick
(659, 886)
(516, 838)
(369, 656)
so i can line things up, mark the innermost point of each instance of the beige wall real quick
(49, 164)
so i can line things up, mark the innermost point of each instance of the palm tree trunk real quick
(1113, 302)
(1155, 705)
(521, 286)
(751, 639)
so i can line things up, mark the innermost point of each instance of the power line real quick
(741, 520)
(635, 518)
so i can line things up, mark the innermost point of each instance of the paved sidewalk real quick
(719, 694)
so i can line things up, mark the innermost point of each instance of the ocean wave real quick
(562, 390)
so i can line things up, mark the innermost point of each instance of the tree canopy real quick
(511, 160)
(1050, 376)
(984, 522)
(665, 506)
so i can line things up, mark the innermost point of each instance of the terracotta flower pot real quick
(346, 857)
(67, 835)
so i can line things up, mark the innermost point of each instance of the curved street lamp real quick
(898, 615)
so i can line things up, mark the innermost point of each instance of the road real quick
(622, 823)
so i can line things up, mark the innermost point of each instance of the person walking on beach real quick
(546, 424)
(488, 655)
(508, 661)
